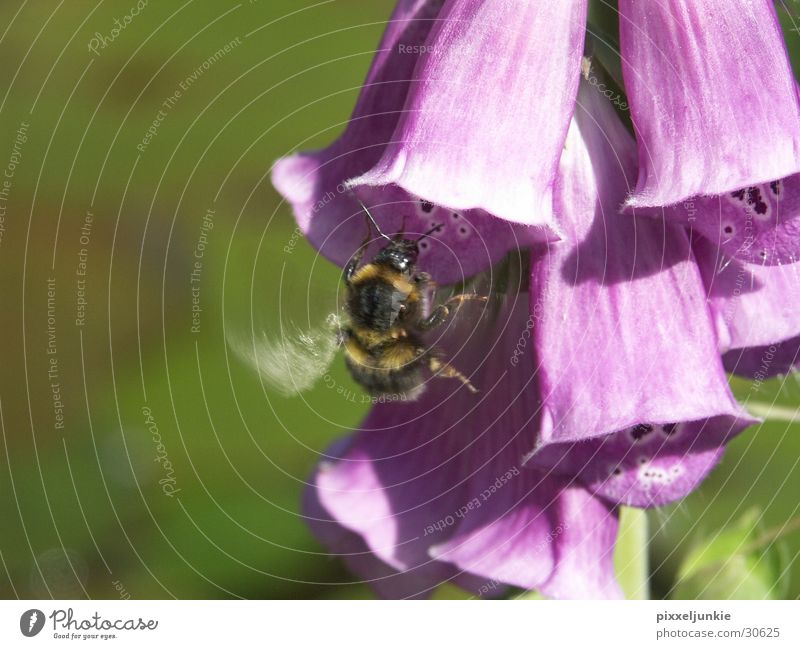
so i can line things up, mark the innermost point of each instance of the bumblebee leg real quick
(424, 280)
(442, 312)
(440, 368)
(355, 262)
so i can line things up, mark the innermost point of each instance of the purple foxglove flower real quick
(434, 490)
(328, 213)
(638, 417)
(756, 310)
(716, 114)
(493, 74)
(756, 224)
(712, 97)
(767, 361)
(416, 150)
(601, 381)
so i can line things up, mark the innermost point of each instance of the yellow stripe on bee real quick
(398, 355)
(386, 274)
(356, 352)
(365, 273)
(369, 338)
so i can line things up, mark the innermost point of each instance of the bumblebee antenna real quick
(373, 221)
(435, 228)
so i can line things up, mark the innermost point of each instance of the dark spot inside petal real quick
(755, 201)
(427, 206)
(763, 254)
(455, 216)
(640, 431)
(775, 186)
(669, 429)
(739, 194)
(728, 229)
(463, 230)
(617, 471)
(423, 245)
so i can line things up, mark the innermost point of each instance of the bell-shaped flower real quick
(756, 311)
(635, 397)
(493, 75)
(717, 119)
(417, 149)
(435, 490)
(601, 374)
(712, 97)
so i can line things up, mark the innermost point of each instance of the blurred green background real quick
(85, 506)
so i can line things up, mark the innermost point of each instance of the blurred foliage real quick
(742, 562)
(84, 509)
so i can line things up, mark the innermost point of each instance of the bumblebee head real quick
(400, 255)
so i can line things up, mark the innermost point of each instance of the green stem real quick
(771, 412)
(630, 557)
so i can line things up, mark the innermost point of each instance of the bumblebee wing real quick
(294, 361)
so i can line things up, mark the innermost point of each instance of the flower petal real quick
(492, 75)
(329, 214)
(752, 305)
(712, 97)
(647, 465)
(567, 522)
(621, 328)
(757, 224)
(387, 582)
(756, 310)
(426, 479)
(767, 361)
(585, 550)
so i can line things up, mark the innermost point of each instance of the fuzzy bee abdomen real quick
(396, 369)
(377, 295)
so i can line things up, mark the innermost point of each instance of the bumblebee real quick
(387, 315)
(381, 328)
